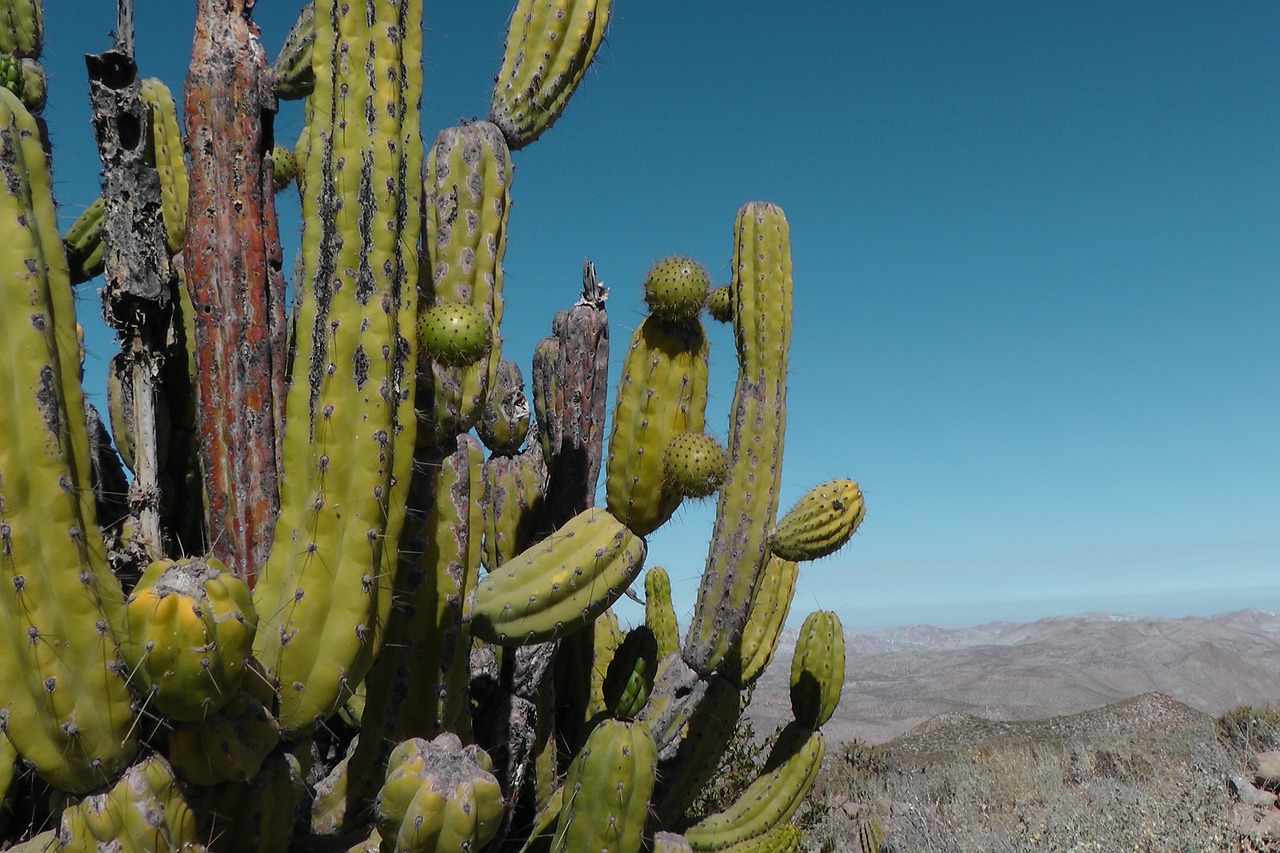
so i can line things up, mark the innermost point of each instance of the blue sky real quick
(1037, 269)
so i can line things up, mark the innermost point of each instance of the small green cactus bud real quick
(455, 334)
(284, 167)
(718, 304)
(675, 288)
(694, 464)
(10, 73)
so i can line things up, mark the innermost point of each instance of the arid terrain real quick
(1087, 733)
(899, 678)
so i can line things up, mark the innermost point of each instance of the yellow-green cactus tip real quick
(455, 334)
(675, 288)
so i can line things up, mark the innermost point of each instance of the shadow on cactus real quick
(360, 595)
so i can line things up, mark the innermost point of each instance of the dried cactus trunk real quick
(233, 268)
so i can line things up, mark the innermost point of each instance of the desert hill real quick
(900, 678)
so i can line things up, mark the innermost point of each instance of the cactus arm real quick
(659, 612)
(817, 669)
(232, 258)
(560, 584)
(467, 197)
(66, 707)
(323, 596)
(607, 790)
(571, 377)
(294, 77)
(768, 615)
(821, 522)
(748, 503)
(784, 781)
(549, 46)
(662, 393)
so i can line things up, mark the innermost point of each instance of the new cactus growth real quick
(694, 464)
(188, 630)
(310, 682)
(675, 288)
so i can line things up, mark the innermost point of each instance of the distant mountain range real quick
(898, 678)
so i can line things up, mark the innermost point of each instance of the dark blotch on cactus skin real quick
(675, 288)
(454, 334)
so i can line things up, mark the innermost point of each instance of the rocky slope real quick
(899, 678)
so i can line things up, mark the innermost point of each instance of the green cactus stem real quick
(83, 243)
(467, 197)
(607, 790)
(770, 606)
(292, 75)
(232, 257)
(817, 669)
(514, 490)
(66, 707)
(748, 503)
(417, 687)
(550, 43)
(659, 612)
(772, 799)
(21, 28)
(559, 585)
(324, 592)
(661, 394)
(821, 522)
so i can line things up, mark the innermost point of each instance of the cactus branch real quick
(233, 263)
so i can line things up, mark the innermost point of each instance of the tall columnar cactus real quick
(324, 592)
(65, 707)
(336, 672)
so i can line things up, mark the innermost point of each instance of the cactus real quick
(550, 43)
(820, 523)
(761, 300)
(817, 669)
(188, 629)
(310, 679)
(662, 394)
(560, 585)
(607, 790)
(675, 288)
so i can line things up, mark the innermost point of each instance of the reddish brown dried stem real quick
(577, 385)
(233, 262)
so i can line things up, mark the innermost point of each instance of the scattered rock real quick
(1250, 795)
